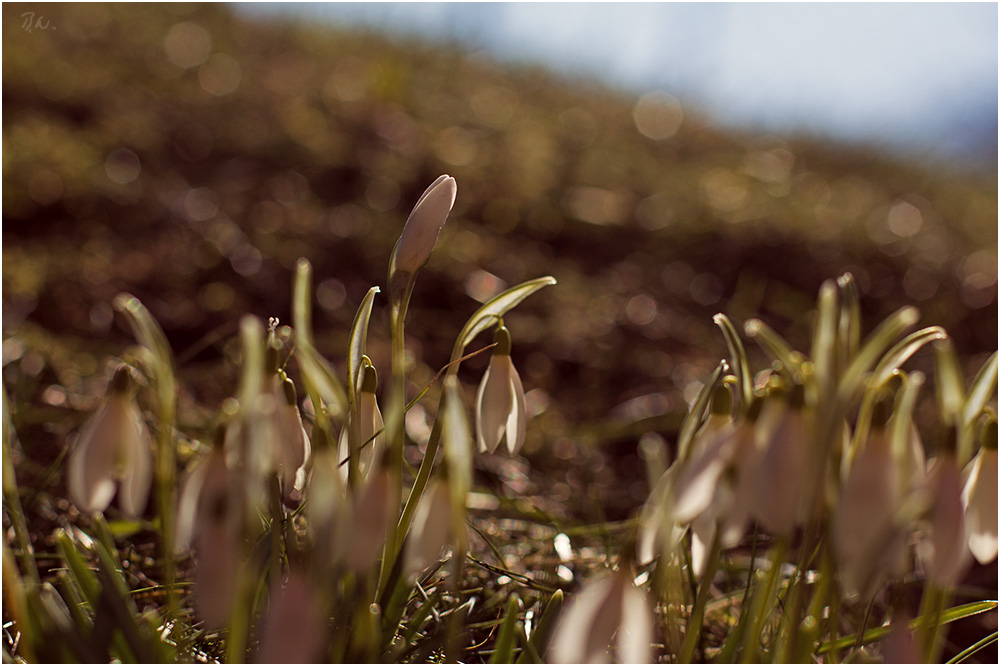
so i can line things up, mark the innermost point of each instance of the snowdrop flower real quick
(329, 505)
(500, 400)
(944, 549)
(293, 442)
(373, 509)
(781, 498)
(369, 426)
(432, 528)
(980, 498)
(868, 541)
(114, 448)
(210, 517)
(295, 629)
(711, 448)
(421, 230)
(608, 608)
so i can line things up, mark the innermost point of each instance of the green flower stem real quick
(396, 414)
(277, 531)
(931, 627)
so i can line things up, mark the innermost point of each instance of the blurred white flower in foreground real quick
(209, 515)
(500, 411)
(783, 493)
(114, 447)
(868, 539)
(944, 550)
(608, 608)
(432, 528)
(980, 499)
(295, 629)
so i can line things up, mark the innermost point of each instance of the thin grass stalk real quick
(692, 639)
(12, 501)
(761, 602)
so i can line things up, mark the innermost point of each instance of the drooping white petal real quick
(980, 500)
(293, 443)
(733, 522)
(493, 403)
(582, 625)
(294, 632)
(635, 635)
(329, 506)
(371, 520)
(215, 534)
(944, 550)
(431, 529)
(703, 530)
(137, 459)
(658, 531)
(370, 422)
(780, 500)
(215, 575)
(187, 505)
(699, 474)
(90, 469)
(866, 540)
(516, 422)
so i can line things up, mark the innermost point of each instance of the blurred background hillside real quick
(190, 154)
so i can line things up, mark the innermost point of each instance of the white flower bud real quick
(423, 226)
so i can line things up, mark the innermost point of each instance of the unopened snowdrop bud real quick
(980, 498)
(500, 414)
(868, 541)
(609, 608)
(114, 448)
(781, 495)
(431, 530)
(422, 228)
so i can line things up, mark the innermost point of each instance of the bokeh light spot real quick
(658, 115)
(122, 166)
(187, 45)
(220, 75)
